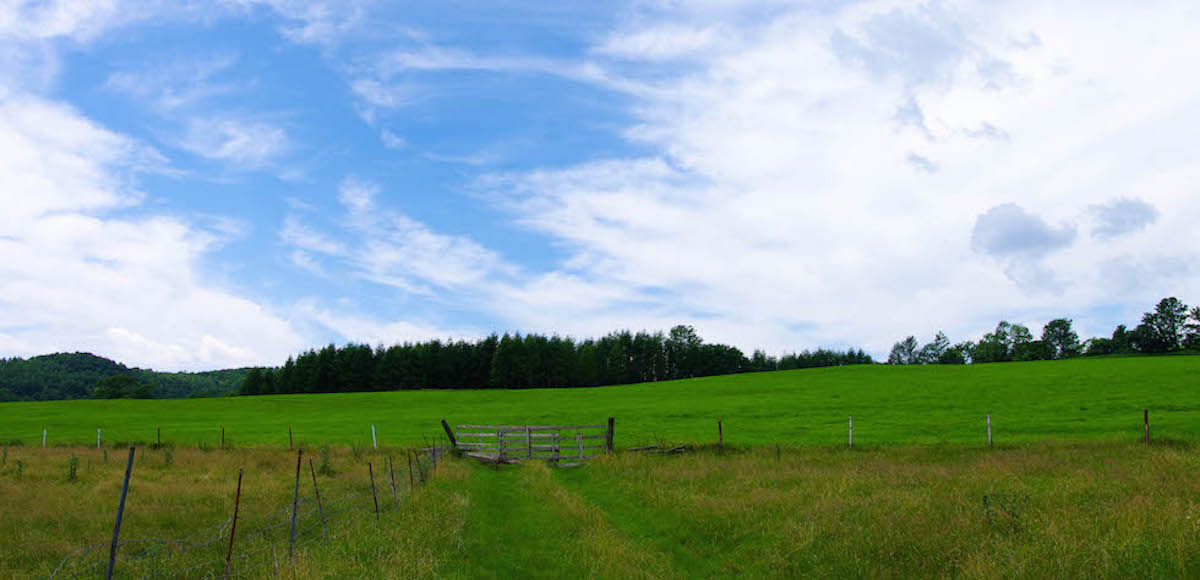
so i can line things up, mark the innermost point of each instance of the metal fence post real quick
(237, 503)
(112, 552)
(317, 491)
(295, 505)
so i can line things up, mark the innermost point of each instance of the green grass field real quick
(1068, 491)
(1077, 400)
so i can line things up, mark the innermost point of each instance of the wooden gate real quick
(554, 443)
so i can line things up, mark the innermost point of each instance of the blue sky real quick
(204, 185)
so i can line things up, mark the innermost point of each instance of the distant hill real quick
(74, 376)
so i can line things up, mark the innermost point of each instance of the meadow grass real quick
(1033, 510)
(1082, 399)
(177, 494)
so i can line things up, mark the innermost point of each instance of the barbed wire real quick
(203, 553)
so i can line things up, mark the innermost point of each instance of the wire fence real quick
(259, 542)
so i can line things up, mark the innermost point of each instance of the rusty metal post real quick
(237, 503)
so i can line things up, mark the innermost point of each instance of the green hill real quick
(1072, 399)
(74, 376)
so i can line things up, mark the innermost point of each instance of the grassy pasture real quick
(1098, 399)
(1035, 510)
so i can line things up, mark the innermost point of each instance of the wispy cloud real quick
(243, 142)
(181, 83)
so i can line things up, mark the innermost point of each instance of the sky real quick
(197, 185)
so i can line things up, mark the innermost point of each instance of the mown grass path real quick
(523, 524)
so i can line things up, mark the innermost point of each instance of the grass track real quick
(1075, 399)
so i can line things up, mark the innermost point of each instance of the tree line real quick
(524, 361)
(1171, 326)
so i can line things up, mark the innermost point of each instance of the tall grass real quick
(1038, 511)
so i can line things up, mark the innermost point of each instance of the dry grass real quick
(174, 493)
(1033, 511)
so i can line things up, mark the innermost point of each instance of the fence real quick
(244, 546)
(554, 443)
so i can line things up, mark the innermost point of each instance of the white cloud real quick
(75, 275)
(244, 142)
(782, 207)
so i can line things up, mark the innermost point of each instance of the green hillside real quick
(1072, 399)
(74, 376)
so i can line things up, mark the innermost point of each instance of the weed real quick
(20, 468)
(106, 455)
(168, 455)
(356, 451)
(73, 468)
(326, 467)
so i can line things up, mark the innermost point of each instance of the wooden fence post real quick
(43, 438)
(989, 427)
(528, 445)
(112, 551)
(449, 433)
(222, 436)
(720, 435)
(295, 505)
(374, 441)
(1146, 420)
(98, 438)
(851, 439)
(291, 442)
(237, 503)
(608, 435)
(317, 491)
(375, 497)
(579, 440)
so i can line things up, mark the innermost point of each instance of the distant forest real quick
(525, 361)
(79, 376)
(1170, 327)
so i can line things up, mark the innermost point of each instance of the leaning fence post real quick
(295, 505)
(851, 439)
(112, 551)
(411, 484)
(989, 427)
(1146, 420)
(317, 491)
(449, 433)
(374, 441)
(392, 480)
(373, 496)
(237, 503)
(608, 435)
